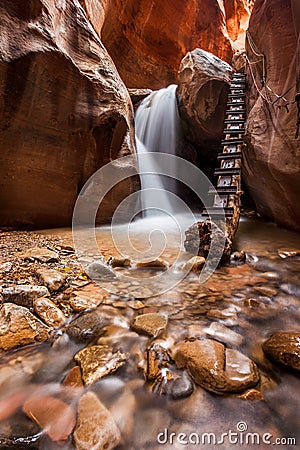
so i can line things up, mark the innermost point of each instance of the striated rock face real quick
(64, 111)
(237, 14)
(271, 164)
(148, 39)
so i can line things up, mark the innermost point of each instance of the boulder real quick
(19, 327)
(271, 161)
(51, 278)
(96, 428)
(67, 113)
(284, 348)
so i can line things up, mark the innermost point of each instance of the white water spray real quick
(157, 130)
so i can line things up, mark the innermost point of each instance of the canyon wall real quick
(271, 164)
(64, 112)
(147, 39)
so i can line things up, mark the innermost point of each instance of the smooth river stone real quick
(19, 327)
(49, 312)
(152, 324)
(216, 368)
(96, 428)
(284, 348)
(98, 361)
(224, 334)
(195, 264)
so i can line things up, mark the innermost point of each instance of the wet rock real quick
(86, 327)
(98, 361)
(43, 255)
(73, 378)
(96, 428)
(224, 334)
(157, 263)
(157, 358)
(120, 262)
(24, 295)
(182, 386)
(252, 394)
(152, 324)
(52, 415)
(19, 327)
(52, 279)
(194, 264)
(80, 301)
(288, 253)
(266, 290)
(98, 271)
(49, 312)
(216, 368)
(238, 257)
(290, 288)
(251, 302)
(284, 348)
(228, 316)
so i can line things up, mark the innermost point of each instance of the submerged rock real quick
(216, 368)
(49, 312)
(152, 324)
(98, 361)
(19, 327)
(24, 295)
(224, 334)
(157, 358)
(43, 255)
(52, 415)
(182, 386)
(51, 278)
(157, 263)
(96, 428)
(120, 262)
(86, 327)
(195, 264)
(73, 378)
(284, 348)
(98, 271)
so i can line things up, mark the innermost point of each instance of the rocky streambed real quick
(84, 368)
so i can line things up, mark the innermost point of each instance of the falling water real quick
(157, 130)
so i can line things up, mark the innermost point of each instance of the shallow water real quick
(191, 307)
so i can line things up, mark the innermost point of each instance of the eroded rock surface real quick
(151, 324)
(284, 348)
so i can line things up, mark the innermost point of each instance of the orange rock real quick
(73, 378)
(51, 414)
(10, 404)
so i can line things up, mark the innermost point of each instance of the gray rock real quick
(52, 279)
(98, 271)
(19, 327)
(182, 386)
(96, 428)
(86, 327)
(98, 361)
(24, 295)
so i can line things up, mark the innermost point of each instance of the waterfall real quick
(157, 130)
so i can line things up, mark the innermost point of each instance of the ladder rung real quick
(234, 121)
(227, 190)
(232, 155)
(235, 111)
(232, 141)
(241, 103)
(234, 131)
(235, 171)
(218, 212)
(236, 95)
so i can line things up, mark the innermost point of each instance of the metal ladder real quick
(229, 172)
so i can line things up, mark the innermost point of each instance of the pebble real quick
(288, 253)
(182, 386)
(87, 327)
(24, 295)
(157, 263)
(251, 302)
(157, 358)
(152, 324)
(51, 278)
(266, 290)
(96, 428)
(98, 361)
(251, 394)
(284, 348)
(120, 262)
(19, 327)
(224, 334)
(51, 414)
(43, 255)
(194, 264)
(49, 312)
(73, 378)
